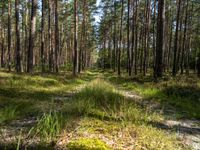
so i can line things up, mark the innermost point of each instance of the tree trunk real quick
(136, 36)
(184, 38)
(114, 38)
(159, 40)
(75, 56)
(174, 71)
(119, 49)
(50, 36)
(56, 34)
(2, 39)
(32, 36)
(17, 52)
(128, 40)
(9, 35)
(146, 41)
(42, 36)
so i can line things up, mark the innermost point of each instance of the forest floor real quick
(98, 110)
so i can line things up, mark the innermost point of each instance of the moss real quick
(154, 139)
(137, 136)
(88, 144)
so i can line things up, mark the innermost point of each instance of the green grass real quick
(101, 100)
(48, 126)
(8, 113)
(182, 92)
(88, 144)
(98, 114)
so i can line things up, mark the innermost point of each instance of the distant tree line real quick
(144, 36)
(45, 35)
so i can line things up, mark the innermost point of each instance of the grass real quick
(101, 100)
(48, 126)
(97, 116)
(8, 113)
(182, 92)
(88, 144)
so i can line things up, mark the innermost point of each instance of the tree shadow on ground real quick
(184, 99)
(25, 94)
(178, 128)
(14, 146)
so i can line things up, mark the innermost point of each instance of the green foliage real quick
(98, 109)
(182, 93)
(102, 95)
(102, 101)
(87, 144)
(139, 136)
(48, 126)
(153, 139)
(8, 113)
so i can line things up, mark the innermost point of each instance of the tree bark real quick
(128, 41)
(9, 35)
(2, 38)
(32, 36)
(75, 55)
(56, 34)
(159, 40)
(136, 37)
(174, 71)
(17, 51)
(119, 49)
(42, 36)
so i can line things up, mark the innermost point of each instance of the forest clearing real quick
(99, 75)
(98, 110)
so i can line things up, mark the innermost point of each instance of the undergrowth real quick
(98, 109)
(48, 126)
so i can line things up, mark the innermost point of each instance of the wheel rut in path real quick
(188, 130)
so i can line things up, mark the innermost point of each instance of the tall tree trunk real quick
(82, 44)
(75, 55)
(179, 42)
(170, 45)
(184, 38)
(133, 36)
(114, 38)
(42, 36)
(32, 36)
(174, 71)
(50, 36)
(154, 33)
(26, 33)
(17, 51)
(146, 41)
(9, 35)
(56, 34)
(136, 37)
(120, 47)
(2, 38)
(128, 40)
(159, 40)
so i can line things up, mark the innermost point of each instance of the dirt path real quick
(188, 130)
(10, 132)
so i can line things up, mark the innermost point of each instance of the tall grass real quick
(101, 100)
(8, 113)
(48, 126)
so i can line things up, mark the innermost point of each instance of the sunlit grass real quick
(182, 92)
(98, 107)
(48, 126)
(100, 99)
(88, 144)
(132, 135)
